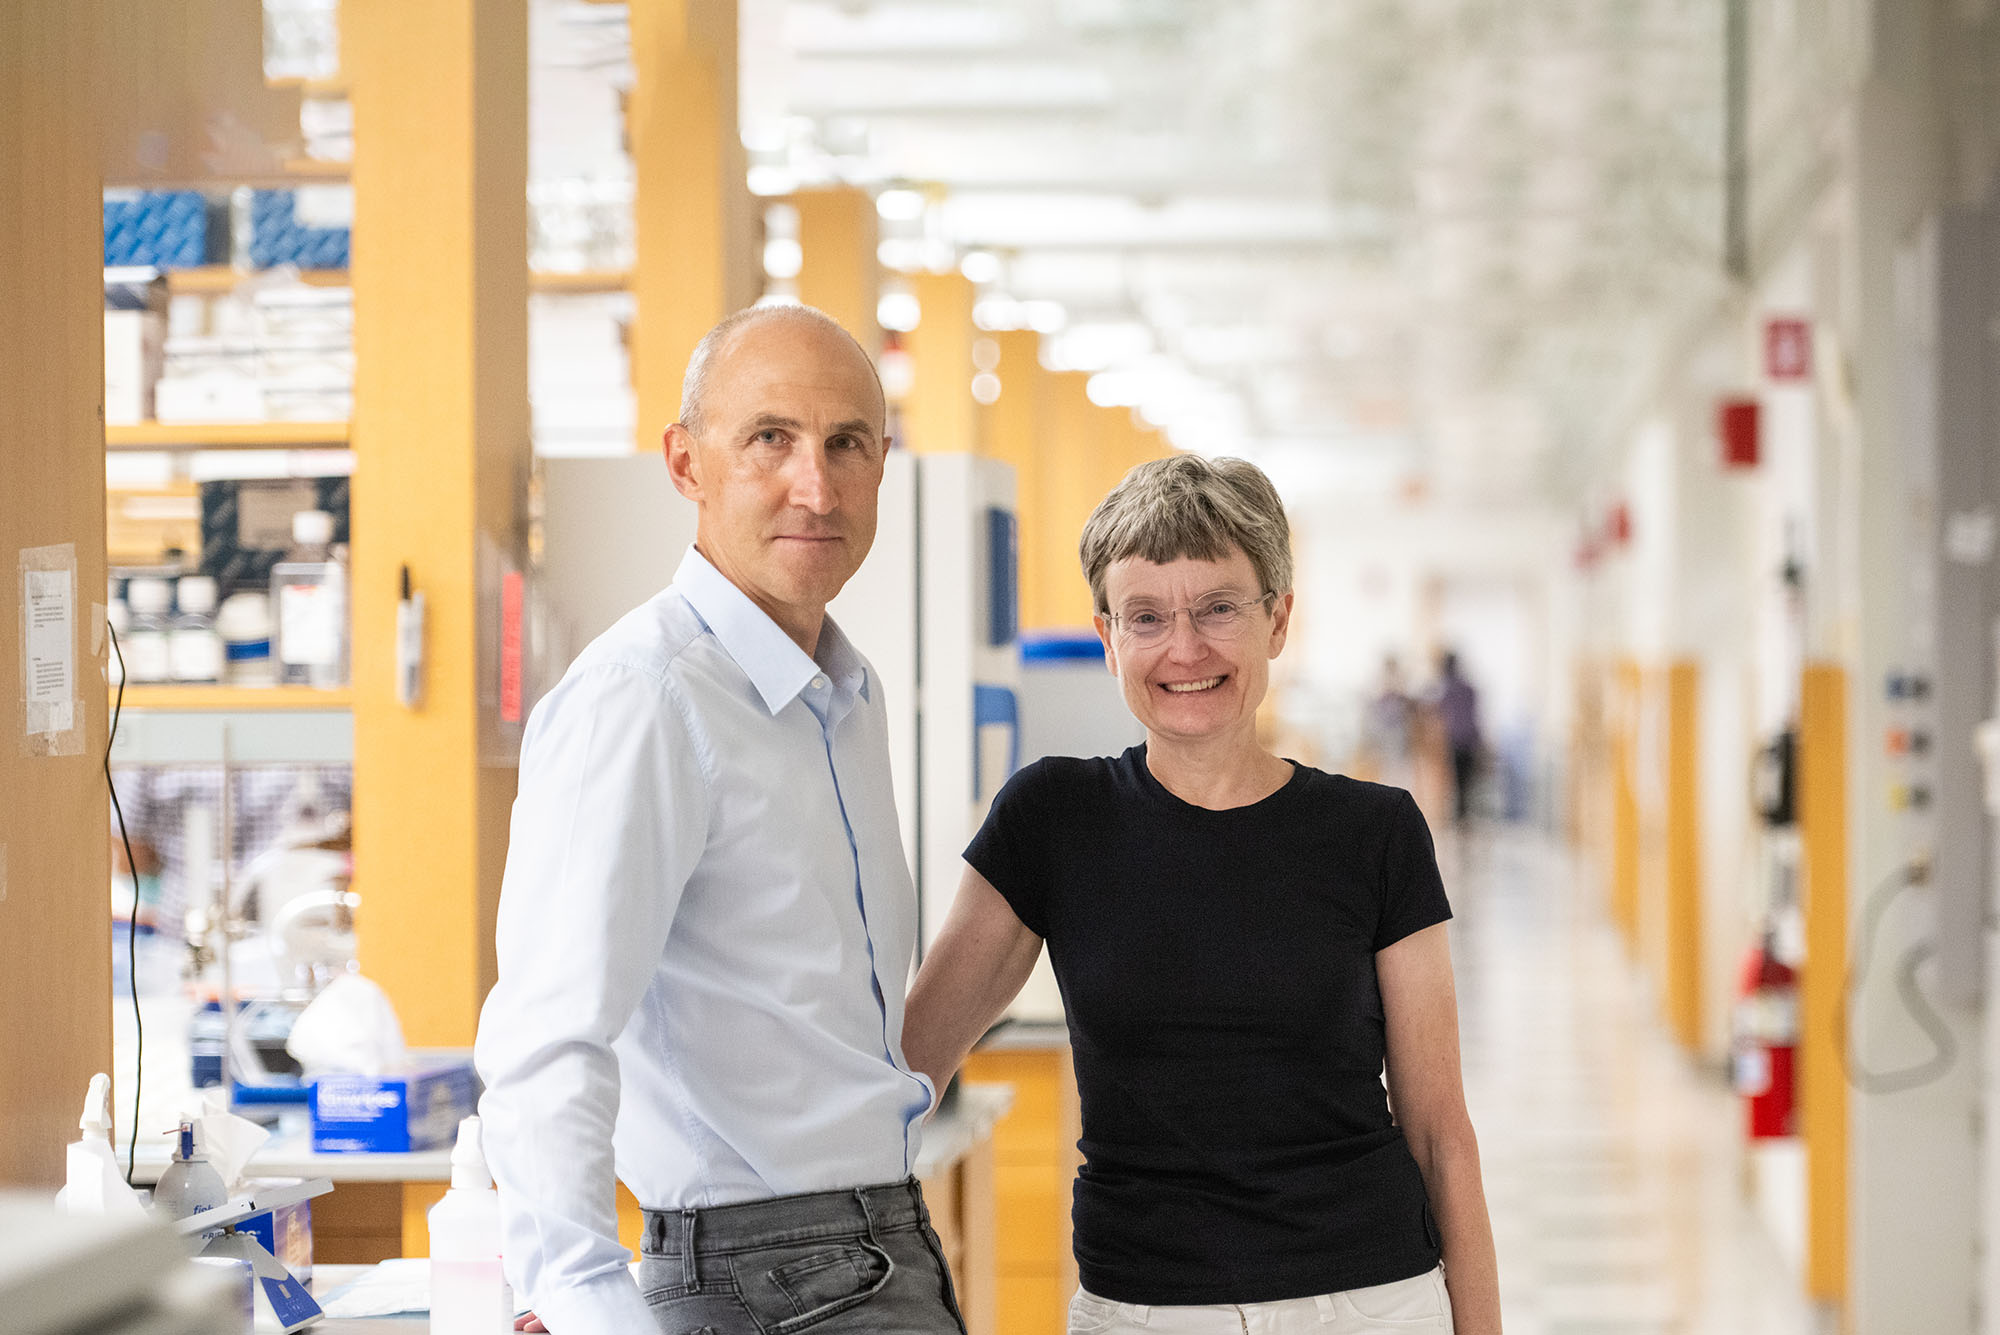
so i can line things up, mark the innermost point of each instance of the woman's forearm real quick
(1450, 1166)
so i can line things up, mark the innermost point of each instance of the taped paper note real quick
(53, 712)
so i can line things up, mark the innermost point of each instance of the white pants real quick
(1417, 1304)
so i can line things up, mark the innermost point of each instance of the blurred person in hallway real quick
(1245, 946)
(1388, 729)
(1457, 704)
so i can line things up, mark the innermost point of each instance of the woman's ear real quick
(1103, 628)
(1281, 622)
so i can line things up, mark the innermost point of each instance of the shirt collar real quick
(773, 661)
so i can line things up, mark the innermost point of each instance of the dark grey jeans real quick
(830, 1262)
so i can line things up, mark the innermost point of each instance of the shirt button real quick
(819, 683)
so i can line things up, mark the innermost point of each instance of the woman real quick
(1244, 944)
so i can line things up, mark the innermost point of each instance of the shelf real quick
(211, 278)
(233, 699)
(226, 436)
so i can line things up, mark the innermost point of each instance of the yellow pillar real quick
(838, 271)
(1625, 853)
(1683, 854)
(940, 416)
(441, 444)
(1012, 428)
(1069, 492)
(55, 991)
(1822, 774)
(695, 228)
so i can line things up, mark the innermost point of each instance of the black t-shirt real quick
(1219, 972)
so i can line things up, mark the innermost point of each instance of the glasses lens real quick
(1219, 620)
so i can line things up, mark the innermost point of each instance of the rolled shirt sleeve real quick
(610, 820)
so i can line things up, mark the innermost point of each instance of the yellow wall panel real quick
(1682, 992)
(838, 271)
(441, 455)
(55, 989)
(1822, 1081)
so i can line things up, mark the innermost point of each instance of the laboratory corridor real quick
(1614, 1165)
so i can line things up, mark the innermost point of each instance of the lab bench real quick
(378, 1207)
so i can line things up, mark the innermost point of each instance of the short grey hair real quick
(695, 386)
(1189, 506)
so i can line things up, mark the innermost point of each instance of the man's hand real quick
(531, 1323)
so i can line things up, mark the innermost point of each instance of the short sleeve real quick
(1011, 848)
(1413, 895)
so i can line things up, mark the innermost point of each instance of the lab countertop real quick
(289, 1152)
(947, 1137)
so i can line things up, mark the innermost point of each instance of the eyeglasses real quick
(1218, 618)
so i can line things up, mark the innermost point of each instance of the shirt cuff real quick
(608, 1304)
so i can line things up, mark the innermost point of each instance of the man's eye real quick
(768, 436)
(843, 443)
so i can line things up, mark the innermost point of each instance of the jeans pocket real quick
(795, 1288)
(1416, 1302)
(1091, 1315)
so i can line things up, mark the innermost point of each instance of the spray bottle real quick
(469, 1293)
(94, 1184)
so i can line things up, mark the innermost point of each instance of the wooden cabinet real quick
(1035, 1161)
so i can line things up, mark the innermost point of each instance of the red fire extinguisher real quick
(1766, 1040)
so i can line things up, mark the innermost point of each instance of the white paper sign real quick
(49, 673)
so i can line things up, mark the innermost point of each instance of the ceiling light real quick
(900, 205)
(899, 311)
(980, 266)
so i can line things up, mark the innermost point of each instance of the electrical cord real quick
(132, 928)
(1944, 1045)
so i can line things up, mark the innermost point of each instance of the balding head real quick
(714, 347)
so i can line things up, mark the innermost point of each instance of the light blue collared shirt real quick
(705, 934)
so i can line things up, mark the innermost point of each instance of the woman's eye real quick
(1145, 618)
(1222, 609)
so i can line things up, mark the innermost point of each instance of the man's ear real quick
(683, 467)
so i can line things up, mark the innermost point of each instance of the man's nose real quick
(811, 484)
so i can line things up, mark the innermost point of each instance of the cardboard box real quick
(416, 1109)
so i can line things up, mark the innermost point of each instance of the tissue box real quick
(416, 1109)
(286, 1233)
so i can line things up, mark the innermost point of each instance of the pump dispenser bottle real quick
(190, 1184)
(469, 1293)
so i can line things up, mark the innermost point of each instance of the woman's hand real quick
(971, 972)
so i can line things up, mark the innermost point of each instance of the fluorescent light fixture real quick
(783, 257)
(899, 311)
(980, 266)
(900, 205)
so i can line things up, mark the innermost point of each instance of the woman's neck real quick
(1216, 773)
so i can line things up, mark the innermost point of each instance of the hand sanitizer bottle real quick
(469, 1293)
(190, 1184)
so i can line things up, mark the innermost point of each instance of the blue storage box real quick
(417, 1109)
(277, 237)
(286, 1233)
(166, 229)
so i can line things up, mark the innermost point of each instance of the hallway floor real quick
(1613, 1165)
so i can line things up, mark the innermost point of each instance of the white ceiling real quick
(1373, 239)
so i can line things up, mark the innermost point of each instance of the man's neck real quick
(801, 625)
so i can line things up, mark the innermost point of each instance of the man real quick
(706, 922)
